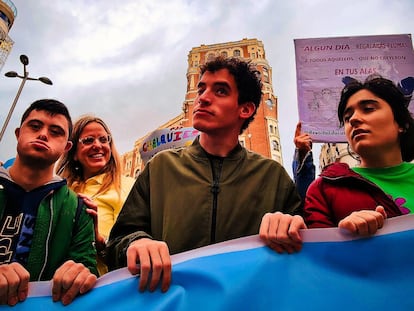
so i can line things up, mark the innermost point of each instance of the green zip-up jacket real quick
(178, 199)
(59, 235)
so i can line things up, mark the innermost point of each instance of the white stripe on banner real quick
(334, 270)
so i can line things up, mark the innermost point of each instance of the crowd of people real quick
(71, 215)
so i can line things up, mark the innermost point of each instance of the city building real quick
(337, 152)
(262, 135)
(8, 13)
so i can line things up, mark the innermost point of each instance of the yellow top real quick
(109, 205)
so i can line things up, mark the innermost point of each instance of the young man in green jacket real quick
(212, 191)
(45, 232)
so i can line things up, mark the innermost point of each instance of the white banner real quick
(162, 139)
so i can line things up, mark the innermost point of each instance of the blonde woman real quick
(93, 170)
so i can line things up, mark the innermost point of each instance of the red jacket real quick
(338, 192)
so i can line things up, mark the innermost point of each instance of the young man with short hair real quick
(45, 232)
(212, 191)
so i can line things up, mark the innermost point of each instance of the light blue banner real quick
(334, 273)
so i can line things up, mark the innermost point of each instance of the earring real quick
(352, 153)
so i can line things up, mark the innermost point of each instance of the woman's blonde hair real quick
(72, 170)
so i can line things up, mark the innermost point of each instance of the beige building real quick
(262, 135)
(337, 152)
(8, 13)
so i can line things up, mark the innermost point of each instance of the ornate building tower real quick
(8, 13)
(262, 135)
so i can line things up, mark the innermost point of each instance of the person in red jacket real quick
(380, 129)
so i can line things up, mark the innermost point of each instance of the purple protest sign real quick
(322, 64)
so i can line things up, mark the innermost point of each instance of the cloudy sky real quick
(126, 61)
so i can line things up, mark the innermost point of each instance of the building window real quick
(4, 17)
(224, 54)
(236, 53)
(269, 103)
(265, 75)
(275, 145)
(210, 56)
(271, 129)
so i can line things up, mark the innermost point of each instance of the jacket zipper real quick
(215, 189)
(47, 238)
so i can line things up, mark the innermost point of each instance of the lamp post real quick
(12, 74)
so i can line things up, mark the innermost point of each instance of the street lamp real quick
(13, 74)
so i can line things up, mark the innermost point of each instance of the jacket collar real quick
(198, 151)
(5, 174)
(336, 170)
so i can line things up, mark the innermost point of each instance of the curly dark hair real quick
(389, 92)
(247, 77)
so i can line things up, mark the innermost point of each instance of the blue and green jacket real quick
(62, 231)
